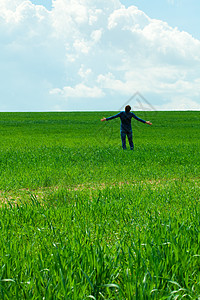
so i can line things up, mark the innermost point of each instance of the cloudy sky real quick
(96, 54)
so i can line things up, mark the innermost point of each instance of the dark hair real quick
(127, 108)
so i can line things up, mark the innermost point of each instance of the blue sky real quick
(94, 55)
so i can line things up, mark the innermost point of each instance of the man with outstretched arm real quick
(126, 129)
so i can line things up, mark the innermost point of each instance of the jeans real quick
(130, 139)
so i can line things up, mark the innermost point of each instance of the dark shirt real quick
(125, 120)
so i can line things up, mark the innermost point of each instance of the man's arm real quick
(140, 120)
(110, 118)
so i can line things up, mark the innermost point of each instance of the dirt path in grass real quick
(23, 195)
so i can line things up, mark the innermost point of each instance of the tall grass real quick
(134, 242)
(48, 149)
(81, 219)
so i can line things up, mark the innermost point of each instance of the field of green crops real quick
(82, 219)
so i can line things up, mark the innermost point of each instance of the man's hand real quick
(148, 122)
(104, 119)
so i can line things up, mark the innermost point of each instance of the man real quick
(125, 128)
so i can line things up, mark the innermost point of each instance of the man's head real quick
(127, 108)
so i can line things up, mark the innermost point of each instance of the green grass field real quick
(83, 219)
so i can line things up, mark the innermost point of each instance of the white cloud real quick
(81, 46)
(84, 73)
(130, 18)
(96, 35)
(79, 91)
(85, 49)
(109, 82)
